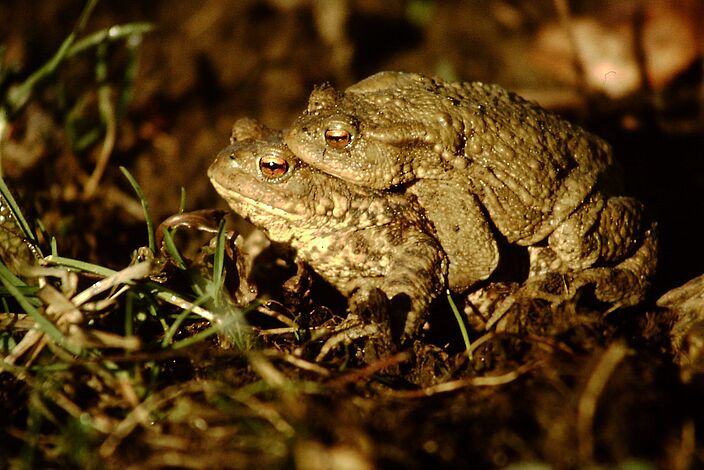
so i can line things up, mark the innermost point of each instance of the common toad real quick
(485, 165)
(358, 239)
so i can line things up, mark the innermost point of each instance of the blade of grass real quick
(173, 250)
(79, 265)
(129, 314)
(168, 337)
(107, 114)
(11, 204)
(219, 262)
(124, 276)
(133, 43)
(18, 96)
(460, 323)
(150, 289)
(182, 202)
(179, 302)
(145, 208)
(113, 33)
(198, 337)
(29, 291)
(80, 140)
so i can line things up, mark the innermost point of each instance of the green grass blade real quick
(198, 337)
(11, 204)
(113, 33)
(168, 337)
(133, 44)
(219, 262)
(460, 323)
(182, 202)
(18, 96)
(173, 250)
(80, 265)
(145, 208)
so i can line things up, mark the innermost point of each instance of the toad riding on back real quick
(483, 162)
(458, 171)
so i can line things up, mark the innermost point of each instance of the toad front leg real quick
(389, 307)
(416, 274)
(461, 227)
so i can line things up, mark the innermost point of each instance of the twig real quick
(130, 273)
(481, 340)
(297, 362)
(376, 366)
(177, 301)
(271, 313)
(586, 409)
(453, 385)
(286, 330)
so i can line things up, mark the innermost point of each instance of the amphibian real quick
(358, 239)
(486, 165)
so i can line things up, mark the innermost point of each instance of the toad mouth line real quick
(253, 202)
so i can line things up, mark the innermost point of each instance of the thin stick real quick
(586, 409)
(453, 385)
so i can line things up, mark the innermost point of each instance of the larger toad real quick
(482, 160)
(358, 239)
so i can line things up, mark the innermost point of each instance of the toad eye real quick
(272, 166)
(337, 138)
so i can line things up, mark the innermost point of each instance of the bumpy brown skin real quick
(478, 156)
(358, 239)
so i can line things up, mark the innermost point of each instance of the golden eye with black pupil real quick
(337, 138)
(272, 166)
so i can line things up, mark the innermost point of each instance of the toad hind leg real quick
(610, 245)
